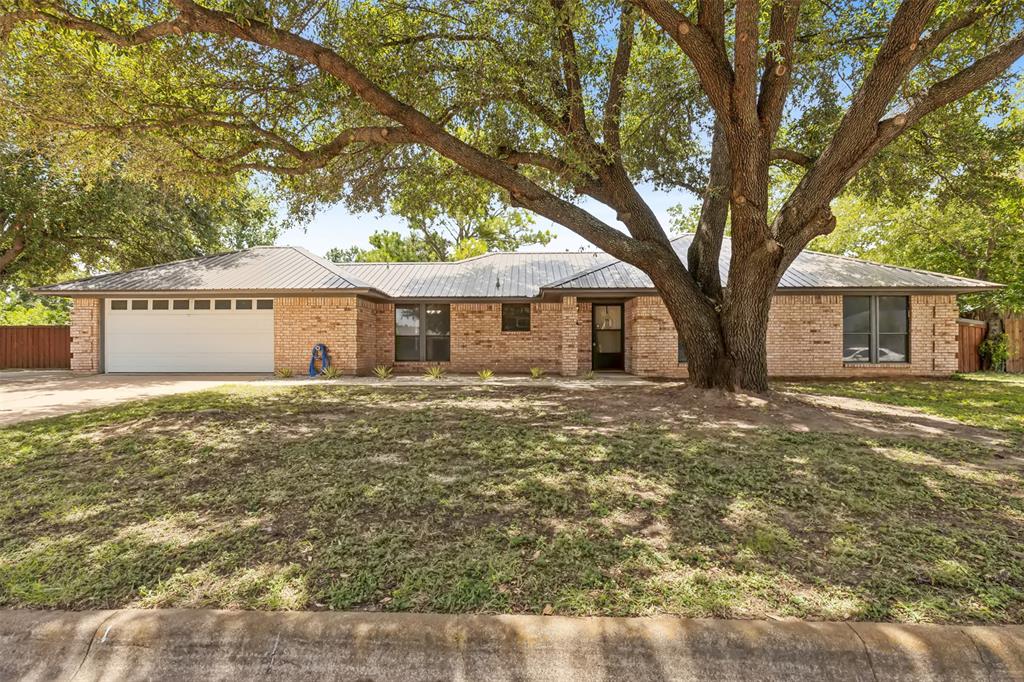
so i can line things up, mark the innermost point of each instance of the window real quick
(876, 329)
(138, 304)
(201, 304)
(422, 333)
(181, 304)
(119, 305)
(161, 304)
(515, 317)
(681, 352)
(243, 304)
(265, 304)
(222, 304)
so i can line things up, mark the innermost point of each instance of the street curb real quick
(194, 644)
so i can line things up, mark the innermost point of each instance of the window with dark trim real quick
(140, 304)
(119, 305)
(423, 332)
(222, 304)
(265, 304)
(201, 304)
(515, 317)
(243, 304)
(876, 329)
(161, 304)
(181, 304)
(681, 352)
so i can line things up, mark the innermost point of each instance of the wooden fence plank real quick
(35, 347)
(971, 334)
(1014, 326)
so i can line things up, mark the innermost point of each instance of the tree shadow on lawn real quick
(454, 501)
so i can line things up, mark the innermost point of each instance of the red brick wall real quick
(85, 335)
(805, 337)
(477, 341)
(300, 322)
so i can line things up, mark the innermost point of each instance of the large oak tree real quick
(545, 100)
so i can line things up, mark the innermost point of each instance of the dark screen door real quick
(608, 339)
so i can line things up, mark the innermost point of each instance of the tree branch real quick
(744, 89)
(793, 156)
(617, 80)
(778, 70)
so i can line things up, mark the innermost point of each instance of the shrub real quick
(383, 371)
(485, 374)
(536, 372)
(331, 372)
(283, 372)
(590, 375)
(996, 349)
(434, 372)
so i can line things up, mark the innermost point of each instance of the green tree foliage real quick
(56, 223)
(949, 197)
(388, 104)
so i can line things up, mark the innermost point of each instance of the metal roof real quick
(271, 268)
(810, 270)
(492, 275)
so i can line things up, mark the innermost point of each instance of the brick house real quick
(263, 309)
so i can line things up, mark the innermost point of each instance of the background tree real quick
(545, 100)
(948, 197)
(56, 225)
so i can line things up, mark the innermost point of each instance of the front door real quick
(609, 343)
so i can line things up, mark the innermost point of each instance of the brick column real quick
(85, 335)
(570, 337)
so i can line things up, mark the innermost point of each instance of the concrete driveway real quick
(33, 394)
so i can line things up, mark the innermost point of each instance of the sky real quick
(337, 227)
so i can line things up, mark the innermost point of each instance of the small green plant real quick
(434, 372)
(283, 372)
(331, 372)
(589, 376)
(383, 371)
(536, 372)
(996, 349)
(485, 374)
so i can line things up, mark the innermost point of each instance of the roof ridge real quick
(473, 258)
(329, 267)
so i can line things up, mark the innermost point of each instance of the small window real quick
(161, 304)
(119, 305)
(201, 304)
(265, 304)
(876, 329)
(681, 351)
(243, 304)
(181, 304)
(222, 304)
(515, 317)
(138, 304)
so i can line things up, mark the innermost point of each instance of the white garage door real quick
(189, 335)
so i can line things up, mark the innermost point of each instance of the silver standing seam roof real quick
(810, 270)
(490, 276)
(270, 268)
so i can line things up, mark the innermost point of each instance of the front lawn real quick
(623, 500)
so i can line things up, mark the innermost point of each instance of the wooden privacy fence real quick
(972, 333)
(35, 347)
(1014, 326)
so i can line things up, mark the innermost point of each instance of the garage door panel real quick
(189, 341)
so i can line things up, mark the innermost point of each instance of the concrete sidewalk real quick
(130, 645)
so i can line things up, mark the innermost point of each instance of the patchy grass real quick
(623, 500)
(988, 399)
